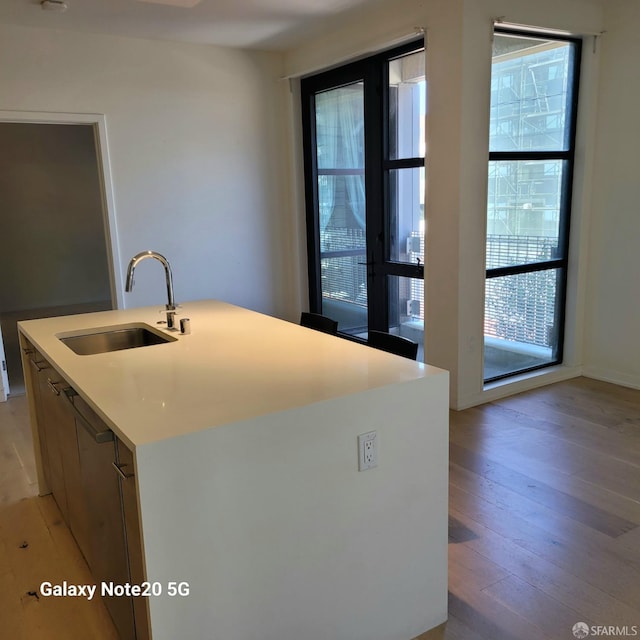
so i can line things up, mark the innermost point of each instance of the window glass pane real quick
(344, 291)
(523, 211)
(341, 205)
(406, 309)
(406, 215)
(342, 217)
(530, 92)
(407, 106)
(520, 328)
(340, 127)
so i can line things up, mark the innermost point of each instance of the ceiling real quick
(256, 24)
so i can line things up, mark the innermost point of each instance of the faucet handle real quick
(171, 321)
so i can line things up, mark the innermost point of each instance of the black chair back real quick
(319, 323)
(393, 344)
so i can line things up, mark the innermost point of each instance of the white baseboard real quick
(542, 377)
(518, 384)
(616, 377)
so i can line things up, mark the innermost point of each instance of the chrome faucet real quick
(133, 263)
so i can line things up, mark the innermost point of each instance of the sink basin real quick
(114, 338)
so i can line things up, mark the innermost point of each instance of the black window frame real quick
(561, 263)
(373, 70)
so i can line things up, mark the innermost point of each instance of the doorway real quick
(55, 252)
(364, 133)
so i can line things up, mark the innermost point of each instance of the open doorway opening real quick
(55, 256)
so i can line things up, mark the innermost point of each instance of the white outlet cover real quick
(367, 450)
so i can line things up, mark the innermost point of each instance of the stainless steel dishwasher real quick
(106, 551)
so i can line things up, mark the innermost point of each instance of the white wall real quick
(458, 68)
(195, 136)
(613, 310)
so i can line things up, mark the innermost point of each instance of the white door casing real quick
(4, 378)
(99, 123)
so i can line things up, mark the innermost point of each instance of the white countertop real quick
(235, 365)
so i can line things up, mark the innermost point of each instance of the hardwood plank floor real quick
(544, 527)
(544, 508)
(17, 464)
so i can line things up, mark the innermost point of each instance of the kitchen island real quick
(244, 438)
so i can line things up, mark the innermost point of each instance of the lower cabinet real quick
(129, 493)
(33, 364)
(55, 429)
(92, 477)
(107, 549)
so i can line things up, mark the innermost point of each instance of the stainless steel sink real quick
(114, 338)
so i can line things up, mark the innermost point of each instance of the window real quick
(534, 90)
(363, 127)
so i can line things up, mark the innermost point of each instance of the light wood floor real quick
(544, 522)
(36, 546)
(544, 517)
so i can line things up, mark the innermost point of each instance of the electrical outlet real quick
(367, 450)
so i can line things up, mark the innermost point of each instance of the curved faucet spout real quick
(133, 263)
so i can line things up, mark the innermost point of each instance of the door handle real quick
(121, 473)
(370, 264)
(99, 435)
(53, 386)
(38, 365)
